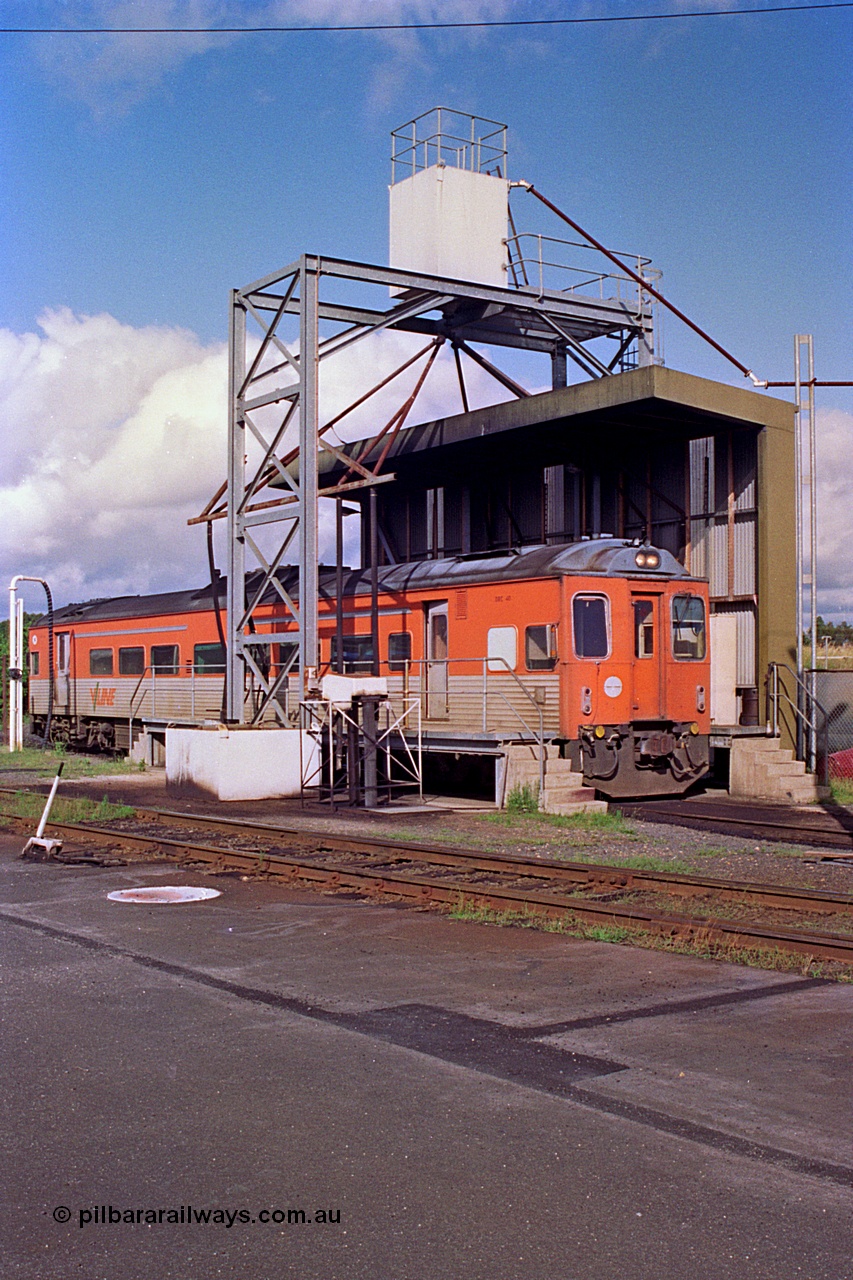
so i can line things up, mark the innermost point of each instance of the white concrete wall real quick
(241, 764)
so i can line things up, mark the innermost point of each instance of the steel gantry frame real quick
(274, 405)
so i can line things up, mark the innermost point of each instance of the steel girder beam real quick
(459, 310)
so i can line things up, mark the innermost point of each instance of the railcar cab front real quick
(635, 701)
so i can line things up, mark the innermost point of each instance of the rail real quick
(810, 728)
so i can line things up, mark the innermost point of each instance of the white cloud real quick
(111, 73)
(115, 436)
(112, 437)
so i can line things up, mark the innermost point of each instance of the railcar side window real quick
(131, 662)
(399, 650)
(287, 655)
(688, 627)
(100, 662)
(34, 664)
(208, 659)
(591, 626)
(502, 648)
(644, 629)
(358, 655)
(164, 659)
(540, 647)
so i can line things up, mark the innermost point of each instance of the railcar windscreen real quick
(590, 624)
(688, 627)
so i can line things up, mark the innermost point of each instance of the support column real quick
(236, 594)
(308, 501)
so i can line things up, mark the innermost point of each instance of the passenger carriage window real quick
(540, 647)
(131, 662)
(34, 664)
(164, 659)
(688, 627)
(399, 650)
(591, 626)
(208, 659)
(358, 655)
(287, 655)
(502, 648)
(644, 629)
(100, 662)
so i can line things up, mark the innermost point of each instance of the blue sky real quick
(144, 176)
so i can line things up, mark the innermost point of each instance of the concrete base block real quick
(241, 764)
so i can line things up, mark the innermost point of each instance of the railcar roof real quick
(608, 557)
(605, 557)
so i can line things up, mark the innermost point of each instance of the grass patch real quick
(525, 823)
(842, 790)
(26, 805)
(699, 947)
(523, 799)
(45, 763)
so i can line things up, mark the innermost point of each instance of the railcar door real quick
(63, 672)
(435, 616)
(648, 656)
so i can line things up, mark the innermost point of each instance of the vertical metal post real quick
(309, 272)
(236, 595)
(812, 556)
(368, 729)
(22, 658)
(14, 664)
(805, 441)
(14, 686)
(339, 584)
(374, 582)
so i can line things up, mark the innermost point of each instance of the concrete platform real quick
(477, 1102)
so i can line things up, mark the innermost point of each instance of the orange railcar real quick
(600, 647)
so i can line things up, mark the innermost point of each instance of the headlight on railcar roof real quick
(647, 560)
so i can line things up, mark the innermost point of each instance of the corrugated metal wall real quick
(723, 532)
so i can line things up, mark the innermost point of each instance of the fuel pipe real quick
(644, 284)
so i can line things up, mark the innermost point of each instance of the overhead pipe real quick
(638, 279)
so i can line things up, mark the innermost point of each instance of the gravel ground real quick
(685, 849)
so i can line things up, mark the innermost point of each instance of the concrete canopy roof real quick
(652, 400)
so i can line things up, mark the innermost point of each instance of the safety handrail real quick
(487, 664)
(806, 710)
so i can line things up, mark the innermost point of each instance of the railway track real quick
(731, 914)
(823, 826)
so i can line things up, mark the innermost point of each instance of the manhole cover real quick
(166, 894)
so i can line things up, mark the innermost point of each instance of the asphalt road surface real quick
(455, 1100)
